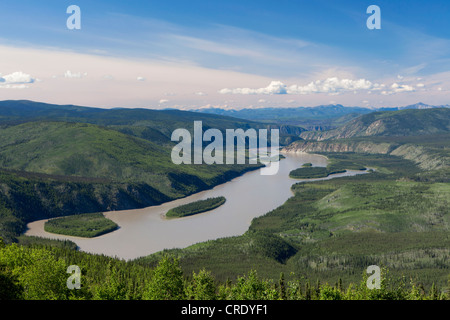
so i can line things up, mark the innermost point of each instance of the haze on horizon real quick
(226, 54)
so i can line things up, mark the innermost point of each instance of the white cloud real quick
(330, 85)
(200, 94)
(275, 87)
(69, 74)
(163, 101)
(401, 88)
(141, 79)
(16, 80)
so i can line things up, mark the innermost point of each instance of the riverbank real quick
(144, 231)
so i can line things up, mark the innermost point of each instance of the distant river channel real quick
(145, 231)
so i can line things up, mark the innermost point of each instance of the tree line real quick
(31, 273)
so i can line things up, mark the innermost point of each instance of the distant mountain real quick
(421, 105)
(407, 122)
(283, 114)
(322, 112)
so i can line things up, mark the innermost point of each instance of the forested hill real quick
(62, 160)
(154, 125)
(408, 122)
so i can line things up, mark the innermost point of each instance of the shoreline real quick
(144, 231)
(107, 214)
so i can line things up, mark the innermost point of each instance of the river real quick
(145, 231)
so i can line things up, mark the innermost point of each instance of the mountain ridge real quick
(316, 112)
(405, 122)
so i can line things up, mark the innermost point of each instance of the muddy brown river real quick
(146, 231)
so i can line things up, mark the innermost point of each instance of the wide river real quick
(146, 231)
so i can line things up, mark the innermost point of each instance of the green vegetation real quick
(332, 230)
(26, 197)
(68, 160)
(88, 225)
(152, 125)
(91, 151)
(307, 171)
(196, 207)
(312, 172)
(53, 169)
(389, 123)
(39, 273)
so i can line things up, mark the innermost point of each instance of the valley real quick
(68, 160)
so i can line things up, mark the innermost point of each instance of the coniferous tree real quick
(167, 281)
(282, 287)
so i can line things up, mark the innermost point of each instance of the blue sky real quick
(238, 54)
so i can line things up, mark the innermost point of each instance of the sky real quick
(229, 54)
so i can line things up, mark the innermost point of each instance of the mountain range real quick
(321, 112)
(405, 122)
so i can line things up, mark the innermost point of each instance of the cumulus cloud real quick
(71, 75)
(163, 101)
(16, 80)
(275, 87)
(141, 79)
(401, 88)
(200, 94)
(331, 86)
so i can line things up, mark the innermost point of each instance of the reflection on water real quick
(145, 231)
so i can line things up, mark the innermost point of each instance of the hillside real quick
(64, 160)
(397, 216)
(408, 122)
(91, 151)
(78, 149)
(153, 125)
(331, 230)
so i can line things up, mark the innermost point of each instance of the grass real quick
(89, 225)
(196, 207)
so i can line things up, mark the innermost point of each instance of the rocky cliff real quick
(424, 157)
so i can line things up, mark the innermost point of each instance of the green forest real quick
(88, 225)
(312, 172)
(196, 207)
(74, 162)
(40, 273)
